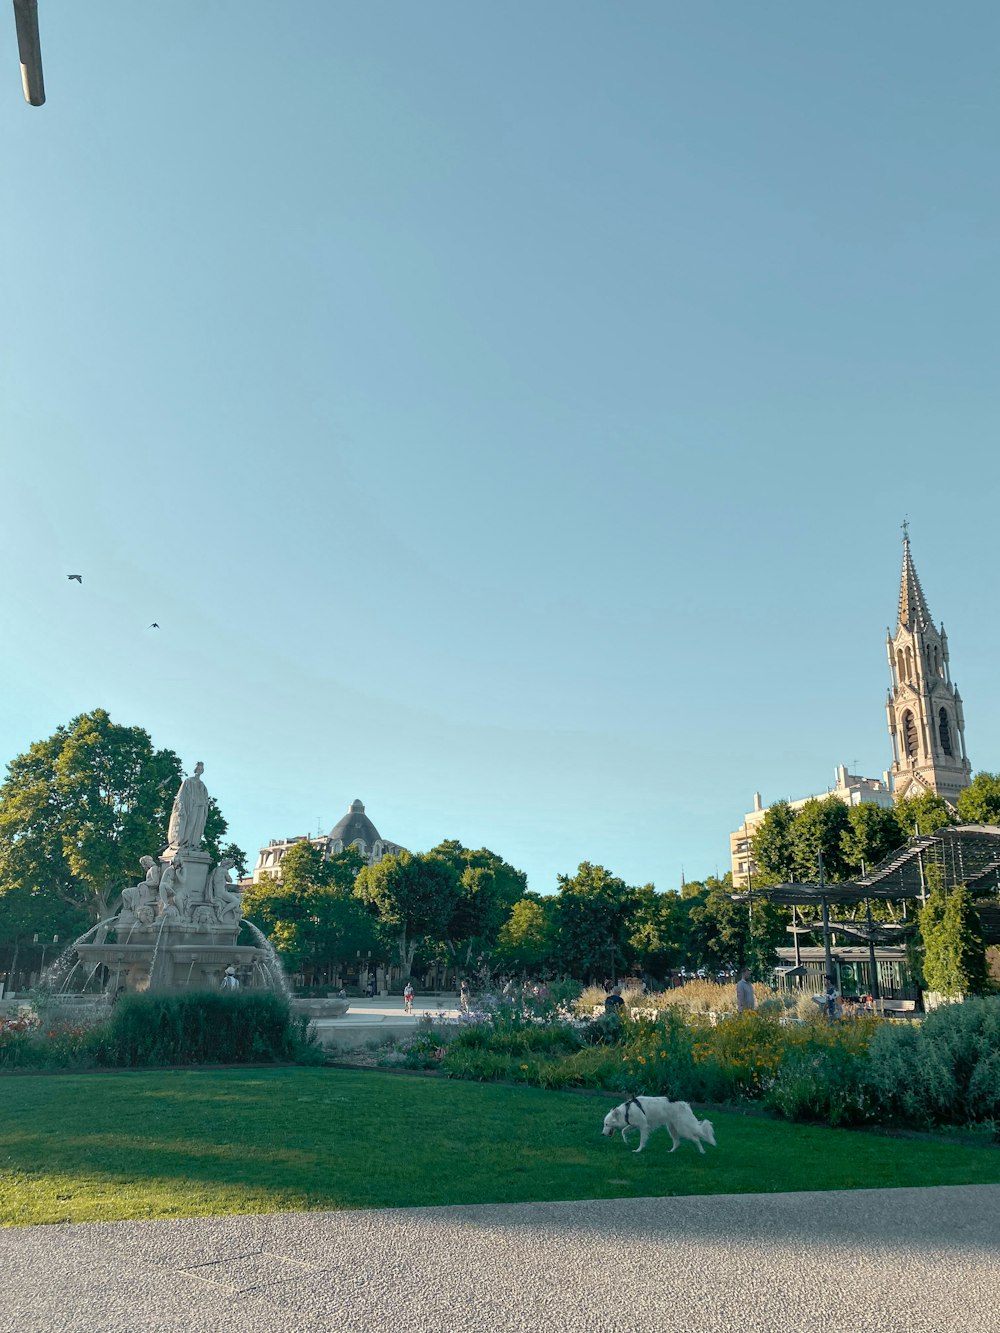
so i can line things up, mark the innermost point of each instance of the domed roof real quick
(355, 827)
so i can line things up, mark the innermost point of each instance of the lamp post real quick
(45, 945)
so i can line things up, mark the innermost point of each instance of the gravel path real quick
(873, 1261)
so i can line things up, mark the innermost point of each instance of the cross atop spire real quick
(913, 612)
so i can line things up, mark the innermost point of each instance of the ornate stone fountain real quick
(177, 928)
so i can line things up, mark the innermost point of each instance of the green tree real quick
(820, 827)
(773, 845)
(954, 951)
(310, 912)
(525, 940)
(725, 934)
(593, 910)
(979, 803)
(872, 833)
(414, 898)
(923, 814)
(658, 932)
(79, 809)
(488, 890)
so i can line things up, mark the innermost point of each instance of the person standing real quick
(230, 981)
(745, 998)
(463, 996)
(408, 998)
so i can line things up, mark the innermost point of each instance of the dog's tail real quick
(706, 1132)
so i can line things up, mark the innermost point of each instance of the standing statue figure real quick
(187, 818)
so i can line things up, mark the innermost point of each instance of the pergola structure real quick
(966, 854)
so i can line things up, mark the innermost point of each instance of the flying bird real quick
(154, 625)
(78, 577)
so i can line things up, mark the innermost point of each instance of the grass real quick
(192, 1143)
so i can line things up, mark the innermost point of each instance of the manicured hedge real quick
(201, 1027)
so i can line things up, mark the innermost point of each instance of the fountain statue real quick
(177, 928)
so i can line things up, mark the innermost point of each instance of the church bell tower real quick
(924, 708)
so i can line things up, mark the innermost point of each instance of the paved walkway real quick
(872, 1261)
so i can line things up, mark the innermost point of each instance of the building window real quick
(909, 735)
(944, 731)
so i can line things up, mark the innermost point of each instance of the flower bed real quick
(945, 1071)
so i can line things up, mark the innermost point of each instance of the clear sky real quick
(507, 411)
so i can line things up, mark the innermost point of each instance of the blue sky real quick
(507, 411)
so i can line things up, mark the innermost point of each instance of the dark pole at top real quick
(826, 919)
(29, 49)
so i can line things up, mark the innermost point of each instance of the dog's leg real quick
(675, 1141)
(701, 1147)
(643, 1136)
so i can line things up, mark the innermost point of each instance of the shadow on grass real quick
(190, 1143)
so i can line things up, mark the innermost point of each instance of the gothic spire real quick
(913, 612)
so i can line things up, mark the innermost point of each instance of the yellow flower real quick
(524, 1066)
(642, 1059)
(663, 1055)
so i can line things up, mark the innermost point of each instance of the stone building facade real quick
(355, 829)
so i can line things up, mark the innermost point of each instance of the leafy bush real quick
(18, 1039)
(944, 1072)
(825, 1074)
(203, 1027)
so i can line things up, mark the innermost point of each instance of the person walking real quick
(463, 996)
(408, 998)
(745, 998)
(830, 1006)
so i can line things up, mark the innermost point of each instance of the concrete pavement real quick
(379, 1019)
(873, 1261)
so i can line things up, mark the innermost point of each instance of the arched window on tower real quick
(944, 731)
(909, 664)
(909, 735)
(901, 666)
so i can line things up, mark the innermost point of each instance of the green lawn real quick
(77, 1148)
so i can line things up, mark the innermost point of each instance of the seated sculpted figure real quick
(172, 886)
(224, 896)
(146, 893)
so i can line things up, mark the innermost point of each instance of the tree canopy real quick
(488, 888)
(592, 913)
(310, 912)
(78, 809)
(525, 940)
(415, 898)
(954, 960)
(979, 803)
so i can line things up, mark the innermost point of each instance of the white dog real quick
(648, 1113)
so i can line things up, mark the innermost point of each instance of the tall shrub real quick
(201, 1027)
(954, 950)
(944, 1072)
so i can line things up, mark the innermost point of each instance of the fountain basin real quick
(332, 1007)
(175, 962)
